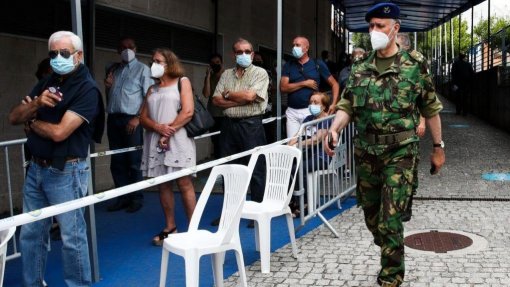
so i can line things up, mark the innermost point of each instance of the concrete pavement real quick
(456, 199)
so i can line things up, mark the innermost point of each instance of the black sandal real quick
(162, 236)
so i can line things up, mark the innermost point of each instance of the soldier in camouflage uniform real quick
(384, 91)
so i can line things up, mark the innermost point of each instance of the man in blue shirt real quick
(64, 113)
(300, 78)
(126, 84)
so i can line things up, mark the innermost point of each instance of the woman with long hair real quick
(168, 106)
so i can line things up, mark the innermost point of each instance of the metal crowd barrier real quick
(328, 179)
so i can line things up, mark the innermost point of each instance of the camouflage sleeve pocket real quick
(359, 93)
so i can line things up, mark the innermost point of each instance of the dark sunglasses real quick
(64, 53)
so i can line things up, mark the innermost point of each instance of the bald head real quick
(300, 43)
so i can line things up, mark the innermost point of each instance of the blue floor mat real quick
(127, 257)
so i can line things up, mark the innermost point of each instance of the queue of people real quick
(64, 113)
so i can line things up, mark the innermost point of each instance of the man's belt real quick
(387, 139)
(47, 162)
(244, 118)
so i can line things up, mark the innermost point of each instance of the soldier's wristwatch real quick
(441, 145)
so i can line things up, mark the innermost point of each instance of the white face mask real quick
(157, 70)
(127, 55)
(379, 40)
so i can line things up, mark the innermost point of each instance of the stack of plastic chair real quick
(197, 242)
(5, 236)
(277, 195)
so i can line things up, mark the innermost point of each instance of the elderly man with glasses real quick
(65, 112)
(242, 93)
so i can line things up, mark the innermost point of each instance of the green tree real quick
(497, 24)
(361, 40)
(431, 38)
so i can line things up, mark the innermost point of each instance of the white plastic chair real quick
(193, 244)
(277, 195)
(5, 236)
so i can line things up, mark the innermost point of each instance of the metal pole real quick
(316, 29)
(279, 53)
(489, 60)
(91, 218)
(445, 44)
(451, 39)
(473, 53)
(415, 40)
(460, 24)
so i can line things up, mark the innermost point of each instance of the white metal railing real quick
(328, 179)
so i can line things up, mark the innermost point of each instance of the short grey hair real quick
(358, 49)
(241, 41)
(404, 41)
(57, 36)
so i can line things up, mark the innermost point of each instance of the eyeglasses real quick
(240, 52)
(63, 52)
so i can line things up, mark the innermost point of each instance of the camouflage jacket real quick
(389, 102)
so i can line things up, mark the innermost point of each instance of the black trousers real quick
(125, 167)
(238, 135)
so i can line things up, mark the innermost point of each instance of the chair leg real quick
(265, 245)
(192, 269)
(240, 266)
(217, 264)
(257, 243)
(290, 225)
(164, 268)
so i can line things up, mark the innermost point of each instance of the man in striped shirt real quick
(242, 94)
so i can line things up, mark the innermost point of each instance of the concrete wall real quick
(254, 20)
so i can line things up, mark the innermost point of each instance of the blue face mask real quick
(315, 110)
(243, 60)
(297, 52)
(61, 65)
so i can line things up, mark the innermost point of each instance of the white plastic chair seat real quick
(252, 209)
(203, 241)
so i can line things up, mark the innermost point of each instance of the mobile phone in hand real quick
(330, 141)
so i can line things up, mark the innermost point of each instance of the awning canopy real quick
(416, 15)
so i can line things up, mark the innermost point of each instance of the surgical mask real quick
(127, 55)
(243, 60)
(379, 40)
(61, 65)
(297, 52)
(157, 70)
(315, 110)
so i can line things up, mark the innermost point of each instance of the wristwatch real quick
(440, 144)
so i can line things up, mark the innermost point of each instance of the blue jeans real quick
(45, 186)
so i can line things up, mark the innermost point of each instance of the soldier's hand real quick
(311, 84)
(437, 159)
(330, 141)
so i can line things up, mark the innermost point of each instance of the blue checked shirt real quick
(130, 84)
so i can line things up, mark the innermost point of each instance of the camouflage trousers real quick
(384, 186)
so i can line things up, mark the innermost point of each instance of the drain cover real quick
(437, 241)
